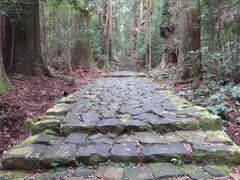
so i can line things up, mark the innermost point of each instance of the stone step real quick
(126, 73)
(128, 121)
(43, 151)
(116, 171)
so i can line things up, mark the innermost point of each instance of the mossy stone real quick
(10, 175)
(51, 175)
(165, 170)
(109, 172)
(138, 173)
(218, 137)
(69, 99)
(192, 136)
(217, 171)
(23, 157)
(41, 126)
(195, 173)
(216, 154)
(59, 109)
(210, 122)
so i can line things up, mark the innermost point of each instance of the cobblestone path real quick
(123, 127)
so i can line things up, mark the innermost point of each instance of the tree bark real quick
(136, 29)
(106, 21)
(27, 55)
(148, 57)
(5, 84)
(189, 65)
(82, 53)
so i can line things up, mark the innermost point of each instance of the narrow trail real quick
(123, 126)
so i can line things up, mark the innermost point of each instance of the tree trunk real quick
(82, 53)
(27, 55)
(168, 34)
(135, 29)
(107, 33)
(110, 52)
(148, 57)
(44, 32)
(189, 65)
(5, 84)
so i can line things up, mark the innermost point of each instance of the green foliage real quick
(218, 98)
(236, 92)
(177, 161)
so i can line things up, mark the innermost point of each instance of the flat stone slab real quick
(61, 155)
(124, 152)
(147, 138)
(164, 152)
(165, 170)
(8, 175)
(139, 173)
(90, 117)
(217, 171)
(217, 153)
(111, 126)
(120, 74)
(59, 109)
(23, 157)
(93, 154)
(81, 172)
(136, 125)
(109, 172)
(79, 139)
(76, 126)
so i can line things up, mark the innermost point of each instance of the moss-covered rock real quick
(41, 126)
(165, 170)
(192, 137)
(59, 109)
(109, 172)
(188, 125)
(218, 137)
(14, 175)
(196, 173)
(216, 154)
(69, 99)
(217, 171)
(23, 157)
(59, 155)
(210, 122)
(42, 139)
(60, 174)
(138, 173)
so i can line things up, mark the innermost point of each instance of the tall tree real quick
(167, 32)
(26, 55)
(4, 82)
(189, 65)
(106, 30)
(82, 53)
(137, 20)
(148, 38)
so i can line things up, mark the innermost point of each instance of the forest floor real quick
(31, 97)
(182, 88)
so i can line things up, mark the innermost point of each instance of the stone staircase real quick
(123, 128)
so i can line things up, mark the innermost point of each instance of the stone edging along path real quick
(124, 120)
